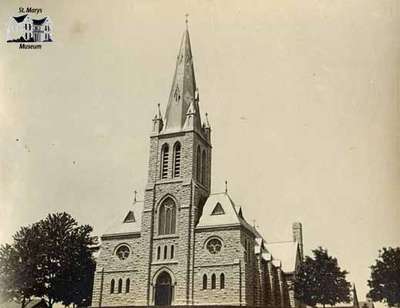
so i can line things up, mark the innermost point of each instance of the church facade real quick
(183, 245)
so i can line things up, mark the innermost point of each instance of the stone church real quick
(183, 245)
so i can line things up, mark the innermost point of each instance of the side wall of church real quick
(109, 267)
(250, 267)
(229, 262)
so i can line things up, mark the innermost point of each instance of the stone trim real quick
(163, 262)
(120, 236)
(182, 132)
(166, 236)
(219, 227)
(218, 265)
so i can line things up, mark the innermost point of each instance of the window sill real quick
(165, 236)
(170, 180)
(164, 262)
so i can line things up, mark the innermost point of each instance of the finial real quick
(207, 123)
(134, 198)
(186, 20)
(159, 111)
(226, 186)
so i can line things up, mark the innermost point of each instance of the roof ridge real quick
(281, 242)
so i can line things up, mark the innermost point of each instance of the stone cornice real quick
(120, 235)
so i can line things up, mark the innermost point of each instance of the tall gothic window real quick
(222, 281)
(203, 167)
(164, 161)
(165, 252)
(127, 285)
(112, 286)
(213, 281)
(177, 159)
(198, 163)
(167, 217)
(120, 285)
(204, 281)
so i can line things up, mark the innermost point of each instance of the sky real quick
(302, 98)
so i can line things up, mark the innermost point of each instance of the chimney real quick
(297, 230)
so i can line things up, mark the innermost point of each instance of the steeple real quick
(183, 109)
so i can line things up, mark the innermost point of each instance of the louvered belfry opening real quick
(164, 161)
(177, 159)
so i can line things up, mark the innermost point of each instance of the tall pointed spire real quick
(183, 91)
(355, 298)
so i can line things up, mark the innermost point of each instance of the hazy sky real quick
(302, 98)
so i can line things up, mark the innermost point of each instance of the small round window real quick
(123, 252)
(214, 246)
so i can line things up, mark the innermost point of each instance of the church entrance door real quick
(163, 290)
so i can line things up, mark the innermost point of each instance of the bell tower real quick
(179, 180)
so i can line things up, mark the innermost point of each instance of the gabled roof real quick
(38, 22)
(21, 18)
(232, 214)
(130, 222)
(286, 252)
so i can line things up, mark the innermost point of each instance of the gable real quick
(130, 217)
(218, 210)
(131, 223)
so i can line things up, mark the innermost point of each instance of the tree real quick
(18, 278)
(321, 281)
(385, 277)
(50, 259)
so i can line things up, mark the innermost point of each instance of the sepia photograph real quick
(200, 154)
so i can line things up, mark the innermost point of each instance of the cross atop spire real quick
(186, 21)
(183, 91)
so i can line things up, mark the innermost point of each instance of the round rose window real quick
(214, 246)
(123, 252)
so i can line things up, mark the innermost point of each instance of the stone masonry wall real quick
(228, 261)
(109, 267)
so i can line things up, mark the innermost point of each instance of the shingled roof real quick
(20, 18)
(220, 210)
(286, 252)
(129, 223)
(39, 22)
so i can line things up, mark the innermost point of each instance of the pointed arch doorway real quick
(163, 290)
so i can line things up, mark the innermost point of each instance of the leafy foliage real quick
(321, 281)
(50, 259)
(385, 277)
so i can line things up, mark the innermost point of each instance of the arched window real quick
(177, 159)
(167, 217)
(222, 281)
(127, 285)
(198, 163)
(204, 281)
(203, 167)
(164, 161)
(172, 251)
(165, 252)
(158, 252)
(213, 281)
(120, 285)
(112, 286)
